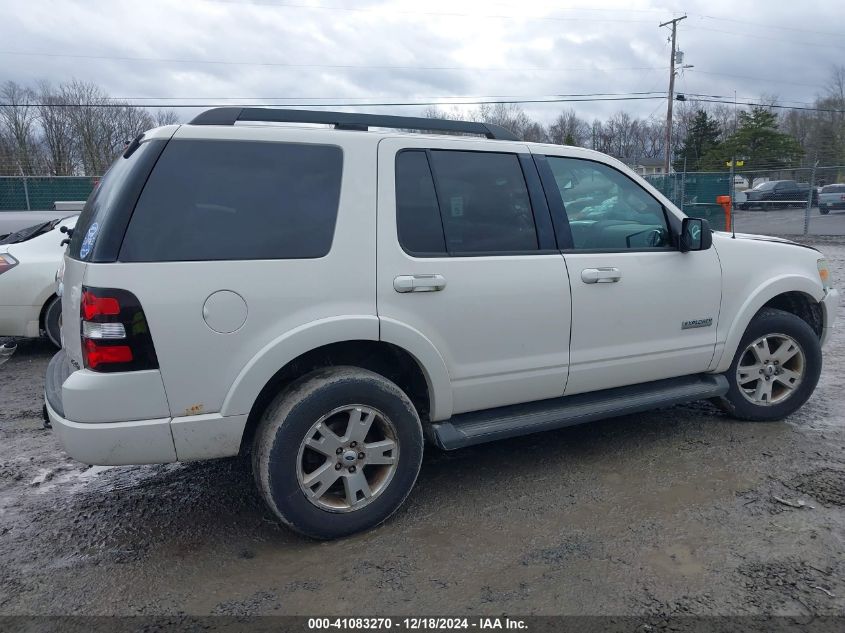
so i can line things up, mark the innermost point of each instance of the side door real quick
(468, 263)
(641, 309)
(783, 191)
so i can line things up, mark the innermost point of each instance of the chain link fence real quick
(40, 193)
(758, 207)
(694, 192)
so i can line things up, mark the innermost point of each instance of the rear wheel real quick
(53, 321)
(775, 369)
(824, 211)
(337, 452)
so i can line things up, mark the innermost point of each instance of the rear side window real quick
(417, 212)
(833, 189)
(484, 202)
(222, 200)
(462, 203)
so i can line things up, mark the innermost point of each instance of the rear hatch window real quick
(236, 200)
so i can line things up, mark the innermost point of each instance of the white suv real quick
(330, 299)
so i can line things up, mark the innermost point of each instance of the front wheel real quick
(775, 369)
(824, 211)
(337, 452)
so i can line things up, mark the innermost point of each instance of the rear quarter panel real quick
(202, 368)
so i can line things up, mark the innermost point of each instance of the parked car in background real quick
(778, 194)
(831, 197)
(29, 260)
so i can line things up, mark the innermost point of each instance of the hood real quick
(765, 238)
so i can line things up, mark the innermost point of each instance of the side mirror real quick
(695, 235)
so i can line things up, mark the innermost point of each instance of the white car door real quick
(641, 309)
(467, 261)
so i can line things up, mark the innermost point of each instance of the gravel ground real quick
(666, 513)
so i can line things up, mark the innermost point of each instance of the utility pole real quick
(668, 158)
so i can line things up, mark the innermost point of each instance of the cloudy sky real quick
(355, 51)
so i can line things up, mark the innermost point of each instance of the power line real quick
(290, 65)
(447, 14)
(768, 37)
(441, 97)
(701, 98)
(760, 79)
(766, 26)
(772, 105)
(324, 105)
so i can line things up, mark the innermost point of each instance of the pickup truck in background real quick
(831, 197)
(778, 194)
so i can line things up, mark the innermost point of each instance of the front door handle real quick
(419, 283)
(600, 275)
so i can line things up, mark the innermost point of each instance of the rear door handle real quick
(419, 283)
(600, 275)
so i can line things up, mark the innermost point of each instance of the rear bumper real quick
(104, 443)
(151, 439)
(117, 443)
(830, 308)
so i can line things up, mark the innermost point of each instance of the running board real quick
(489, 425)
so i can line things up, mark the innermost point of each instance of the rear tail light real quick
(115, 334)
(7, 262)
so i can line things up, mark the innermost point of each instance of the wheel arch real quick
(43, 312)
(795, 294)
(421, 374)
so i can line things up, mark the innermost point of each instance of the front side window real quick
(231, 200)
(606, 209)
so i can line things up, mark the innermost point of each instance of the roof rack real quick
(350, 121)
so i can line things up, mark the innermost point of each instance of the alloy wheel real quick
(771, 369)
(347, 458)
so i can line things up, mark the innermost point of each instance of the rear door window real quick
(417, 212)
(222, 200)
(484, 202)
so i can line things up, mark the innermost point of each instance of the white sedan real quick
(29, 259)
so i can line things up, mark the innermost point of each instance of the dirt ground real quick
(665, 513)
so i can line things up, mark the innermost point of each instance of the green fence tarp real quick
(40, 193)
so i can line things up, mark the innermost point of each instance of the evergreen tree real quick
(702, 136)
(758, 142)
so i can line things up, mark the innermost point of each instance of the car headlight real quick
(824, 273)
(7, 262)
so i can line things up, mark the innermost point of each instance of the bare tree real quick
(568, 129)
(56, 130)
(165, 117)
(19, 125)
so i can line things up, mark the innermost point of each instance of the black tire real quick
(770, 322)
(52, 321)
(824, 211)
(289, 419)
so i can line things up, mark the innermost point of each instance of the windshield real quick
(765, 186)
(29, 232)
